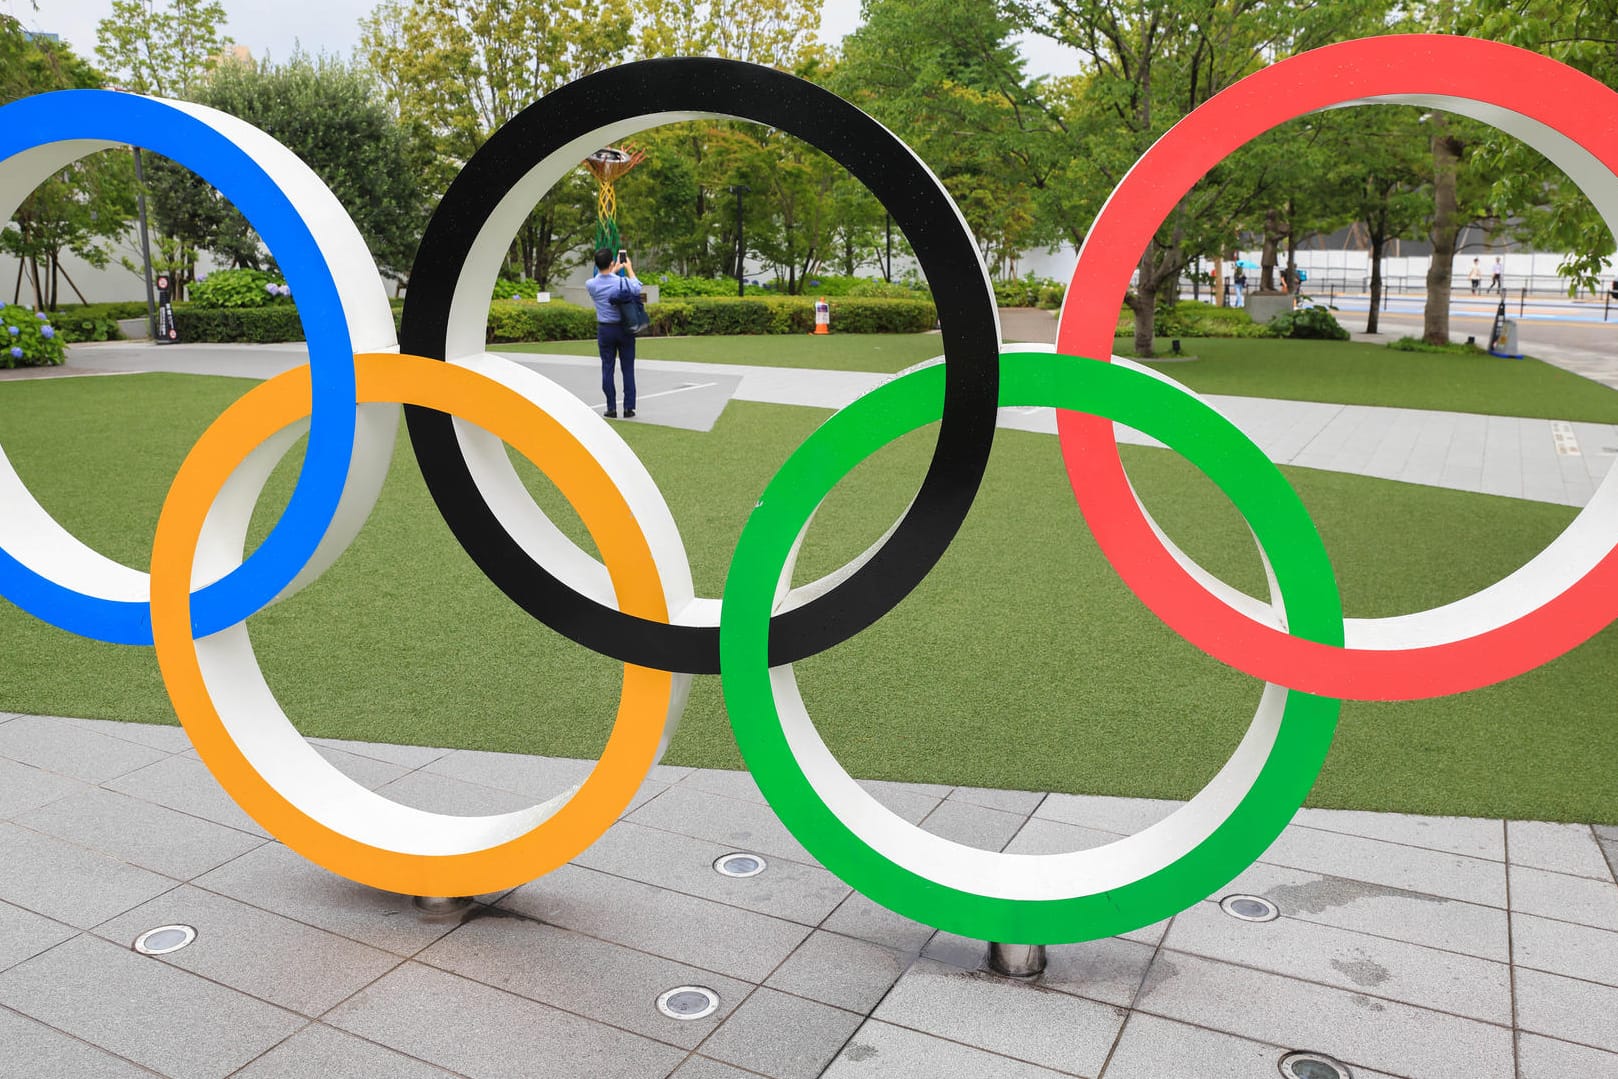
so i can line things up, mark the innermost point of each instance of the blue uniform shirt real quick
(602, 288)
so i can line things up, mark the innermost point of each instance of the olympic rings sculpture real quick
(637, 603)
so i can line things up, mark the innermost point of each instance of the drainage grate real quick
(740, 865)
(1313, 1066)
(1250, 908)
(164, 939)
(688, 1002)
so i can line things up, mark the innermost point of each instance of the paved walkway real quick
(1417, 947)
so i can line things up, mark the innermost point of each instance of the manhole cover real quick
(740, 865)
(1250, 908)
(688, 1002)
(164, 939)
(1313, 1066)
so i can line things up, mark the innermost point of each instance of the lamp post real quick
(741, 249)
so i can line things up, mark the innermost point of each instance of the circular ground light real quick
(687, 1002)
(1313, 1066)
(740, 865)
(1252, 908)
(165, 939)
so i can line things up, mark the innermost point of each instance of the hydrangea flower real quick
(13, 331)
(47, 332)
(42, 316)
(269, 286)
(16, 352)
(286, 290)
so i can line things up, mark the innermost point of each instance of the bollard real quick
(437, 906)
(1017, 960)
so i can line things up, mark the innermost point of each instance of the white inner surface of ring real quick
(260, 728)
(32, 536)
(1030, 876)
(1586, 540)
(490, 466)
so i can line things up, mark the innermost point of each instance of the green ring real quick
(1162, 410)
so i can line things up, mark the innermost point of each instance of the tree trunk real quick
(1142, 302)
(1377, 240)
(1295, 286)
(1446, 226)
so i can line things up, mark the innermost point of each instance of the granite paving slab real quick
(1406, 947)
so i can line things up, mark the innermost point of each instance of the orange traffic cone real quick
(822, 316)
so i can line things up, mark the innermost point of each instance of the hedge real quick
(514, 320)
(254, 325)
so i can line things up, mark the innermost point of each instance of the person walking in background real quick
(1239, 285)
(1476, 276)
(613, 339)
(1497, 284)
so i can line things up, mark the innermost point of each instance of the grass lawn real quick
(1340, 372)
(1020, 662)
(832, 352)
(1355, 373)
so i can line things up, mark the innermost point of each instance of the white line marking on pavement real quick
(681, 388)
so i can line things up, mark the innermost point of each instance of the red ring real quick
(1522, 82)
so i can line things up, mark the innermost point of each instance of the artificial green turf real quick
(1355, 373)
(831, 352)
(1339, 372)
(1020, 661)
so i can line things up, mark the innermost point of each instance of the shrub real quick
(1028, 291)
(675, 285)
(883, 316)
(27, 339)
(1416, 344)
(115, 310)
(521, 288)
(1191, 318)
(889, 290)
(73, 328)
(1307, 322)
(237, 289)
(254, 325)
(513, 320)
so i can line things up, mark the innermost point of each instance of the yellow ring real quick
(551, 841)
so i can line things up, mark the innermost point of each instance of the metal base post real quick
(1017, 960)
(437, 906)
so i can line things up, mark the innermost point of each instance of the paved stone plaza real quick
(1420, 947)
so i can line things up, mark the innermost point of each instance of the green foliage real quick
(1029, 291)
(890, 290)
(237, 289)
(252, 325)
(71, 328)
(115, 309)
(512, 320)
(675, 285)
(1191, 318)
(332, 117)
(1417, 344)
(1306, 322)
(705, 316)
(162, 50)
(506, 288)
(26, 340)
(81, 210)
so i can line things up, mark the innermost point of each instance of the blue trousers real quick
(616, 344)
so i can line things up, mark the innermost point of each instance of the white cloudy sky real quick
(332, 26)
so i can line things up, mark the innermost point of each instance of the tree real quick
(82, 209)
(1552, 212)
(777, 33)
(1152, 63)
(162, 51)
(165, 52)
(331, 115)
(455, 70)
(949, 80)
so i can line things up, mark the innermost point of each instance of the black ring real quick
(918, 203)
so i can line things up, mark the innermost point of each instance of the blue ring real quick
(160, 127)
